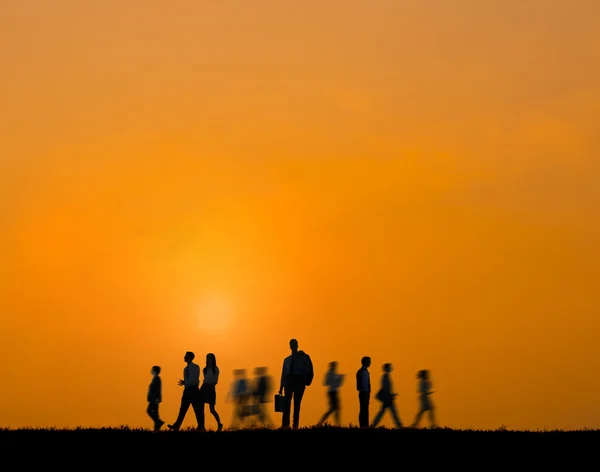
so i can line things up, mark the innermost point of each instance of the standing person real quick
(297, 373)
(154, 397)
(363, 385)
(191, 393)
(208, 390)
(333, 381)
(387, 397)
(425, 403)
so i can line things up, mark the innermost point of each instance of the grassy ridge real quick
(309, 448)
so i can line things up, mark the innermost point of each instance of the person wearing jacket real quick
(296, 374)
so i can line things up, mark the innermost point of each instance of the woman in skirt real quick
(208, 392)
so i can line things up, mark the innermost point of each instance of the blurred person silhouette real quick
(238, 394)
(208, 390)
(262, 390)
(296, 374)
(363, 385)
(387, 397)
(191, 393)
(425, 404)
(154, 397)
(333, 381)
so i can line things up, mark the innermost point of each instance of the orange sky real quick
(412, 180)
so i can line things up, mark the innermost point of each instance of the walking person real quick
(425, 403)
(208, 390)
(296, 374)
(387, 397)
(239, 394)
(333, 381)
(191, 393)
(262, 390)
(154, 397)
(363, 385)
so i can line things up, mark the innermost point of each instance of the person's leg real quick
(198, 407)
(395, 416)
(363, 415)
(324, 417)
(329, 411)
(335, 405)
(159, 422)
(379, 415)
(417, 419)
(236, 417)
(261, 414)
(432, 418)
(287, 405)
(151, 411)
(298, 394)
(185, 404)
(361, 410)
(267, 421)
(213, 411)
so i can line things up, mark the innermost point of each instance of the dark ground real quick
(307, 448)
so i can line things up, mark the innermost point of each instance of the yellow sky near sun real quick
(414, 181)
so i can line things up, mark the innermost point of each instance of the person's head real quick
(294, 345)
(333, 365)
(189, 356)
(155, 370)
(366, 361)
(387, 367)
(239, 373)
(211, 360)
(423, 374)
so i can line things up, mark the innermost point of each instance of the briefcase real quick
(279, 402)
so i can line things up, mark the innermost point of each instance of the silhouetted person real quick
(333, 381)
(263, 388)
(387, 397)
(363, 385)
(208, 390)
(296, 374)
(239, 395)
(155, 397)
(425, 403)
(191, 393)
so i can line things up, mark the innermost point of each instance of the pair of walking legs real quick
(392, 409)
(152, 411)
(334, 408)
(191, 396)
